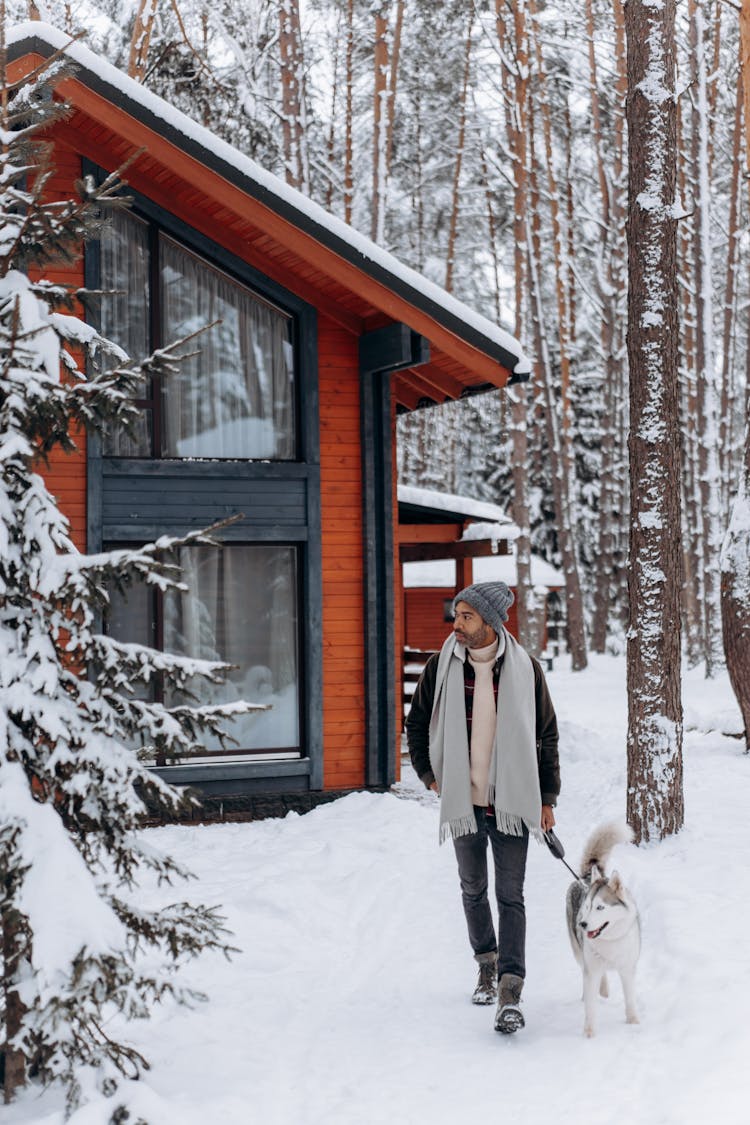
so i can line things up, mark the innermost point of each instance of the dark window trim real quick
(307, 467)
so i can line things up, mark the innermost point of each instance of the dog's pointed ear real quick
(616, 886)
(596, 873)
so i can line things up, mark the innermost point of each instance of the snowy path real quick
(348, 1004)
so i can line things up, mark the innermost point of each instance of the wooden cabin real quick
(286, 415)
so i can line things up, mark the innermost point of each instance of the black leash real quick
(558, 851)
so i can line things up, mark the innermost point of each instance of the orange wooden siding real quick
(343, 583)
(66, 472)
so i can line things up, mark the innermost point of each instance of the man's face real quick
(471, 629)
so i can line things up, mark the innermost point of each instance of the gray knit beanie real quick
(491, 600)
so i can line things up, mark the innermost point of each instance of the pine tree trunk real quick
(515, 84)
(293, 95)
(729, 343)
(331, 139)
(461, 140)
(561, 451)
(349, 115)
(610, 296)
(735, 555)
(707, 413)
(379, 124)
(655, 794)
(692, 525)
(141, 38)
(735, 594)
(393, 84)
(560, 478)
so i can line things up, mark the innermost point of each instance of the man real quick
(482, 734)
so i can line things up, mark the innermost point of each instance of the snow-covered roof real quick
(463, 507)
(441, 573)
(158, 115)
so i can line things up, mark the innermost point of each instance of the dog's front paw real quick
(588, 1030)
(632, 1017)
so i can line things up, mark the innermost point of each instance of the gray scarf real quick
(514, 771)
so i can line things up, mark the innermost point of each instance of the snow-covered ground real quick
(349, 1001)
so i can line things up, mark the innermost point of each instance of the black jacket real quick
(418, 728)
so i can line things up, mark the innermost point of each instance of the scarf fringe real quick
(512, 825)
(452, 829)
(509, 824)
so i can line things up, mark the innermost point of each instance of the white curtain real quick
(125, 314)
(235, 397)
(241, 607)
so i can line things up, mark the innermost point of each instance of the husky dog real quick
(603, 923)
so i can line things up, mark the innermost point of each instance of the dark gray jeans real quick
(509, 855)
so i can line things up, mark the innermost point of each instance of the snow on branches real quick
(72, 789)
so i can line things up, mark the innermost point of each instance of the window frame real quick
(156, 227)
(233, 753)
(291, 515)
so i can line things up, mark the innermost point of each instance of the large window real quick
(234, 396)
(232, 432)
(241, 608)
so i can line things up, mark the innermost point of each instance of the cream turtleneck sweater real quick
(483, 719)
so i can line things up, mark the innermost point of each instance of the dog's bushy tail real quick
(601, 842)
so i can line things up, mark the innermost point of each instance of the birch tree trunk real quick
(735, 555)
(655, 795)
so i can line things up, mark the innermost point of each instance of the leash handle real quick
(558, 851)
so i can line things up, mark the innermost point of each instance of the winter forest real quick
(500, 172)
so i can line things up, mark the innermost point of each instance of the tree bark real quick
(707, 409)
(293, 95)
(561, 450)
(611, 290)
(461, 140)
(727, 440)
(141, 38)
(349, 114)
(379, 124)
(655, 795)
(516, 87)
(735, 555)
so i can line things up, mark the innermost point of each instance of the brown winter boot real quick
(509, 1017)
(486, 990)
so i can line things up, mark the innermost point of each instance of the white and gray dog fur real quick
(603, 923)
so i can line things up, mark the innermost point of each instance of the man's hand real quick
(434, 788)
(548, 818)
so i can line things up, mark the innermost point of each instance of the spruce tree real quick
(72, 789)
